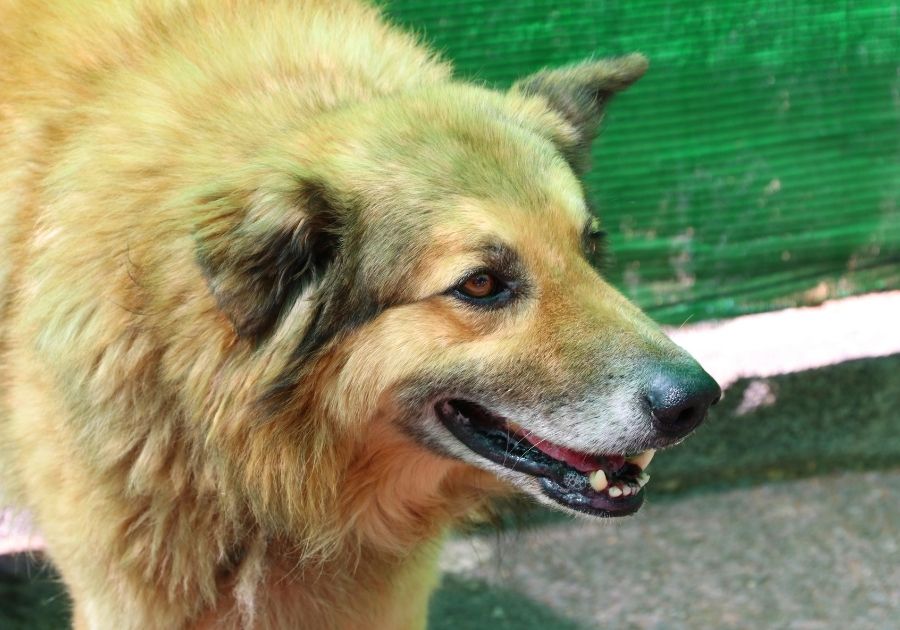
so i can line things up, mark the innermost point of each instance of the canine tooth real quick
(598, 480)
(615, 491)
(642, 479)
(643, 459)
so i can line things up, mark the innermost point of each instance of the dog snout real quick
(679, 396)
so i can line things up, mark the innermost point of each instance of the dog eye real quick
(481, 285)
(594, 244)
(483, 289)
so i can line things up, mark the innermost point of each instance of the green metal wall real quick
(756, 166)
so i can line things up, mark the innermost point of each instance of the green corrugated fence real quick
(756, 166)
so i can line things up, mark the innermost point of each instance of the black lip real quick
(488, 435)
(591, 502)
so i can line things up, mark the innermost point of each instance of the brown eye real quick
(480, 285)
(485, 290)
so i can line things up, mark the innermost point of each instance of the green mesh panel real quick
(756, 166)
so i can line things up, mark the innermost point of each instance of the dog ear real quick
(579, 94)
(259, 251)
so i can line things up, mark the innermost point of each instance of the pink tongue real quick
(582, 462)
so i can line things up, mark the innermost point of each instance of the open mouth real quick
(601, 485)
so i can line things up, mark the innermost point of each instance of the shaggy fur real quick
(229, 229)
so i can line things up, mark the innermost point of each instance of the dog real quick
(283, 301)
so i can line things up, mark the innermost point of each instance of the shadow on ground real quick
(473, 605)
(837, 418)
(31, 597)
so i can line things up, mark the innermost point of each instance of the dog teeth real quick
(598, 480)
(643, 459)
(599, 483)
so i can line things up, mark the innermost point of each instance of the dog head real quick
(429, 261)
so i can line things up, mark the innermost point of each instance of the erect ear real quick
(579, 94)
(260, 250)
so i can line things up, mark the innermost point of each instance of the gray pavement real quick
(816, 554)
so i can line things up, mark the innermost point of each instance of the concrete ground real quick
(817, 554)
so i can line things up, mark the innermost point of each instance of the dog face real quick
(445, 255)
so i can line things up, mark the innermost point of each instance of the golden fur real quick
(188, 465)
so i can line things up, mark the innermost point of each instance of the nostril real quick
(679, 420)
(686, 416)
(679, 397)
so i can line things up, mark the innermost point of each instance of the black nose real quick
(679, 397)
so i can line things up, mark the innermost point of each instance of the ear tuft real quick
(579, 94)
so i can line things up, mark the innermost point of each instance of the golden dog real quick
(281, 300)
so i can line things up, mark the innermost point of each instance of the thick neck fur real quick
(372, 538)
(391, 511)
